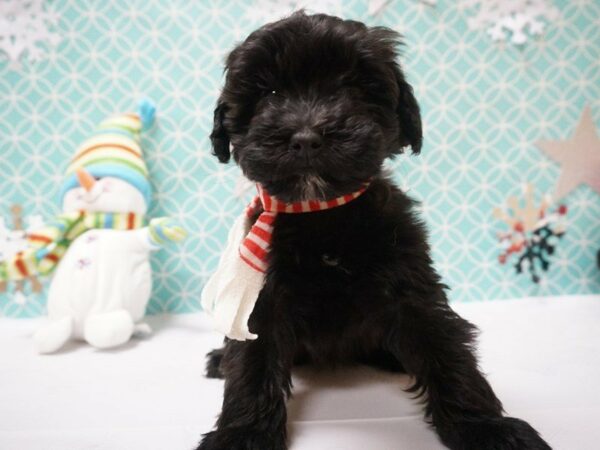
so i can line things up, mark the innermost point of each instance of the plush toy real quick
(99, 247)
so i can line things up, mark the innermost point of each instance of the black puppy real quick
(312, 105)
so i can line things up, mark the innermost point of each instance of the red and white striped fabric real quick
(231, 292)
(255, 246)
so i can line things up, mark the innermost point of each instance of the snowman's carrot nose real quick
(85, 179)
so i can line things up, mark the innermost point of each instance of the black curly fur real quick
(353, 283)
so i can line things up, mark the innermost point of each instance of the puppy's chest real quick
(329, 246)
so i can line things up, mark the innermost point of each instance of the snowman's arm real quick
(160, 232)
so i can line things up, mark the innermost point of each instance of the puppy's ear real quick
(409, 115)
(219, 137)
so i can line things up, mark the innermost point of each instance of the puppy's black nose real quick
(306, 140)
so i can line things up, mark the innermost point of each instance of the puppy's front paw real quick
(213, 364)
(502, 433)
(242, 439)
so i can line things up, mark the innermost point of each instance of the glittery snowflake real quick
(11, 241)
(26, 30)
(263, 11)
(514, 20)
(533, 233)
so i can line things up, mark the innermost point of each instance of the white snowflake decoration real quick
(263, 11)
(12, 242)
(34, 222)
(513, 20)
(25, 30)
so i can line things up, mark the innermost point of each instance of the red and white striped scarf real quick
(255, 247)
(231, 292)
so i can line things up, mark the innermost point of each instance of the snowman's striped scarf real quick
(47, 245)
(255, 246)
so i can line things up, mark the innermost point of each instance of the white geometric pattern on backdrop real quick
(484, 105)
(269, 10)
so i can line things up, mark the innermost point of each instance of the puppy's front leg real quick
(257, 384)
(435, 345)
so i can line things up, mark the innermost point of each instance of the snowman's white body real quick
(102, 284)
(103, 271)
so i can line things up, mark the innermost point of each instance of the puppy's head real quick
(313, 104)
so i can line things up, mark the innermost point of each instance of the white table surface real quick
(542, 357)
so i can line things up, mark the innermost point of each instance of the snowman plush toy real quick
(99, 248)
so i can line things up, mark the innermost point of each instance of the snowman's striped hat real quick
(114, 151)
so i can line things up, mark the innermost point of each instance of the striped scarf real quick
(48, 245)
(231, 292)
(255, 246)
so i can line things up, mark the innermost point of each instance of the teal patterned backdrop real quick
(484, 105)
